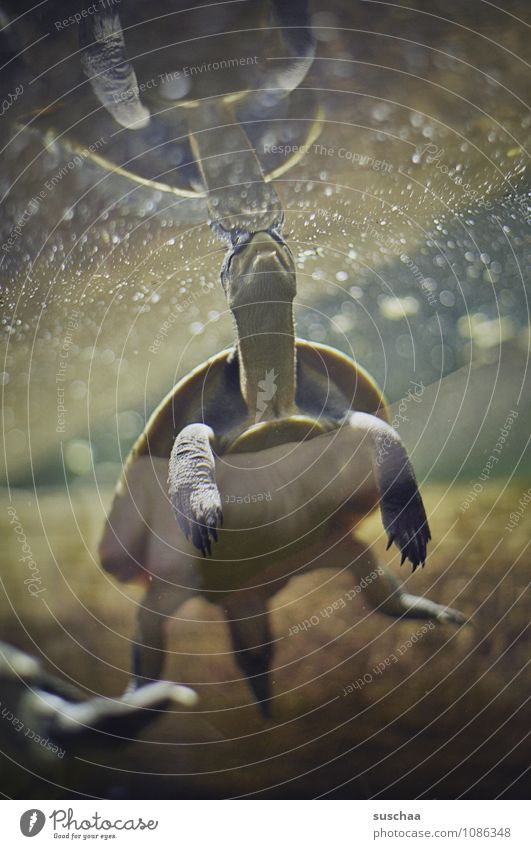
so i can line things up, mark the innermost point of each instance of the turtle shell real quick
(328, 385)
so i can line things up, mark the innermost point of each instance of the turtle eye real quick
(110, 73)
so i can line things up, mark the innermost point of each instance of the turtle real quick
(280, 407)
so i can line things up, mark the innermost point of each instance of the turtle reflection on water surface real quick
(321, 443)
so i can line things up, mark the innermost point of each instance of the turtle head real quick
(260, 284)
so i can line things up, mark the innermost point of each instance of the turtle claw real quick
(407, 527)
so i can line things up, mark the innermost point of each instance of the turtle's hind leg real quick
(248, 621)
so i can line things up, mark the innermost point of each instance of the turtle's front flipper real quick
(192, 487)
(248, 621)
(403, 514)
